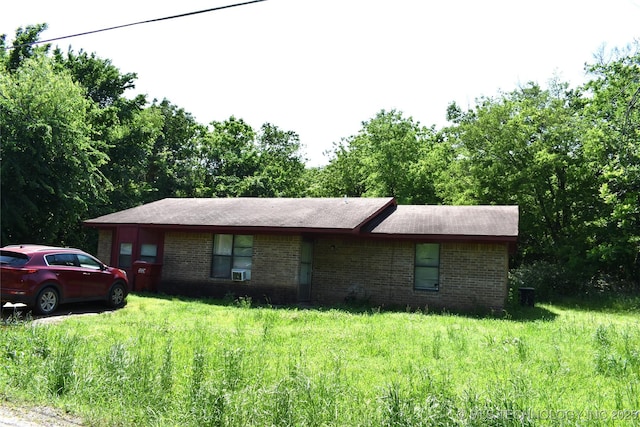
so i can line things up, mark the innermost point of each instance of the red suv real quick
(44, 276)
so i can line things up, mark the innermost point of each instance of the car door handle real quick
(86, 274)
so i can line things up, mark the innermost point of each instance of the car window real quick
(88, 262)
(67, 260)
(13, 259)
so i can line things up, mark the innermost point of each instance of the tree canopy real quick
(51, 168)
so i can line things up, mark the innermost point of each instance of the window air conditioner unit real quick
(238, 275)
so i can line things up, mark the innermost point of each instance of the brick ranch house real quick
(318, 250)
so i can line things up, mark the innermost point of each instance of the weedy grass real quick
(164, 361)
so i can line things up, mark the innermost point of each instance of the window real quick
(148, 252)
(427, 266)
(88, 262)
(231, 252)
(13, 259)
(126, 252)
(66, 260)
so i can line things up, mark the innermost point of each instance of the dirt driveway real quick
(21, 416)
(63, 312)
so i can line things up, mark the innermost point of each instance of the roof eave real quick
(358, 231)
(226, 228)
(447, 237)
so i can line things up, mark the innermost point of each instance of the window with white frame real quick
(427, 267)
(231, 252)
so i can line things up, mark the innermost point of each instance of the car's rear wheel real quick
(117, 295)
(47, 301)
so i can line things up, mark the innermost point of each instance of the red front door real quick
(125, 249)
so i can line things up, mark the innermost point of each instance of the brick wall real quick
(274, 272)
(276, 260)
(105, 240)
(368, 270)
(472, 276)
(187, 257)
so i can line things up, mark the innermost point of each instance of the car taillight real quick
(28, 270)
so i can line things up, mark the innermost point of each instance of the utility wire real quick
(182, 15)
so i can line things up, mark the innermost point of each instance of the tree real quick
(344, 175)
(228, 159)
(389, 145)
(50, 166)
(386, 158)
(131, 140)
(613, 137)
(526, 148)
(280, 164)
(236, 161)
(104, 83)
(172, 166)
(23, 46)
(124, 126)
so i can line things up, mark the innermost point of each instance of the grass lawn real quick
(169, 361)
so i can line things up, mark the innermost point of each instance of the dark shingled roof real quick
(378, 217)
(283, 213)
(451, 220)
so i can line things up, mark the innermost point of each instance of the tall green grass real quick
(165, 362)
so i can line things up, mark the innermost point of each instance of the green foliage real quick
(616, 353)
(236, 161)
(104, 83)
(60, 372)
(525, 148)
(389, 157)
(172, 169)
(281, 166)
(73, 146)
(613, 109)
(343, 176)
(385, 142)
(50, 167)
(230, 159)
(23, 47)
(550, 280)
(127, 130)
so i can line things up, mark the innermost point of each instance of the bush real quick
(550, 280)
(554, 280)
(603, 283)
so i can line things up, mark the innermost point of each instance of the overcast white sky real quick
(321, 67)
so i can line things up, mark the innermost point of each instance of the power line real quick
(182, 15)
